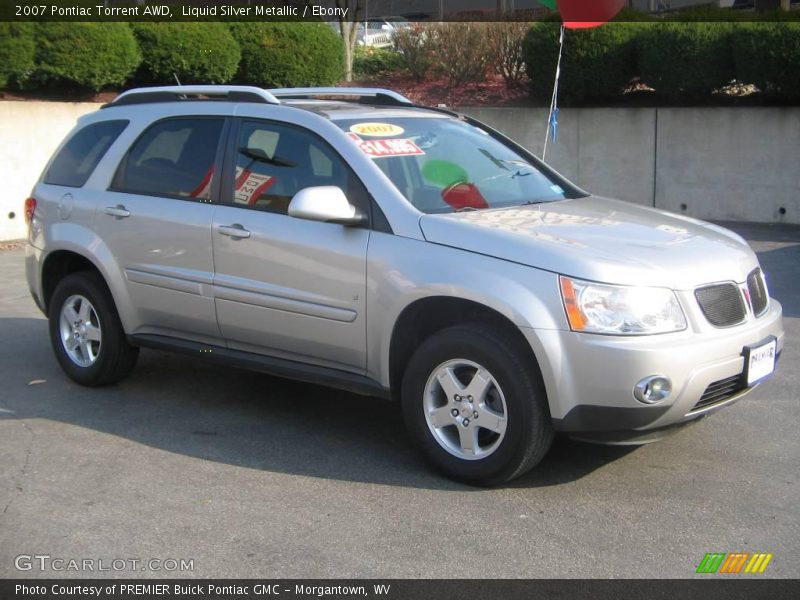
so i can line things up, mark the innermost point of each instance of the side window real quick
(78, 158)
(274, 162)
(320, 163)
(172, 158)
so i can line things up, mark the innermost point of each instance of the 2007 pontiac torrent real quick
(351, 238)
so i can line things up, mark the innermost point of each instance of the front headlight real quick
(620, 310)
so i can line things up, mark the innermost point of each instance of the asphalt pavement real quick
(247, 475)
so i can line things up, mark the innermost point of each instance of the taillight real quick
(30, 208)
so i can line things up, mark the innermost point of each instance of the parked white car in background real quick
(375, 34)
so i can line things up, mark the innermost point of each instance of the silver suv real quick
(350, 238)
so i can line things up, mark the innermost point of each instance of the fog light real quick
(652, 389)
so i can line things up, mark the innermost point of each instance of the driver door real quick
(284, 286)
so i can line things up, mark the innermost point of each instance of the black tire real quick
(529, 430)
(115, 357)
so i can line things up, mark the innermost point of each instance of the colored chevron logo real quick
(734, 562)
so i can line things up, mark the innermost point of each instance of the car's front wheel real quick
(86, 333)
(476, 406)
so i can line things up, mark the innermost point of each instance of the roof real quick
(362, 102)
(341, 110)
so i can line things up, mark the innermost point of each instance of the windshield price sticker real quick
(382, 148)
(377, 129)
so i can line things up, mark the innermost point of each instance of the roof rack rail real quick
(382, 96)
(175, 93)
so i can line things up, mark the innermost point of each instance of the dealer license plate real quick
(760, 361)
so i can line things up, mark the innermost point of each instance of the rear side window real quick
(77, 159)
(173, 158)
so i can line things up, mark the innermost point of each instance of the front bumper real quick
(590, 378)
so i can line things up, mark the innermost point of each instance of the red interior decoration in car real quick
(464, 195)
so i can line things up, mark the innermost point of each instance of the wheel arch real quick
(426, 316)
(57, 265)
(66, 257)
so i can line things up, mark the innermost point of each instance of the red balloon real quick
(580, 14)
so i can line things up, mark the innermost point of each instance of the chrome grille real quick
(758, 292)
(721, 390)
(721, 303)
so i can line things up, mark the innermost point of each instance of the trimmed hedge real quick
(710, 13)
(17, 51)
(195, 52)
(596, 63)
(685, 59)
(289, 54)
(371, 62)
(768, 55)
(87, 55)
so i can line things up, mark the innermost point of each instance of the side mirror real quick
(326, 203)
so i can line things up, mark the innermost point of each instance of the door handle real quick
(118, 211)
(234, 231)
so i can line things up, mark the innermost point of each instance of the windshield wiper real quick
(502, 162)
(257, 154)
(498, 162)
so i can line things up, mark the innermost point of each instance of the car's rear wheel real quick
(86, 333)
(476, 406)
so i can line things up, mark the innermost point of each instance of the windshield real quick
(446, 165)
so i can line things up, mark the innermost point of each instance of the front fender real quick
(401, 271)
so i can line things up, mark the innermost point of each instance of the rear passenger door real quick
(284, 286)
(156, 219)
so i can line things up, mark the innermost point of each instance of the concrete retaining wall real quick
(29, 133)
(712, 163)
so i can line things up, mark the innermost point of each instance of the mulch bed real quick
(430, 92)
(58, 96)
(493, 93)
(433, 92)
(12, 245)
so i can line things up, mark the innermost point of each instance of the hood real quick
(600, 239)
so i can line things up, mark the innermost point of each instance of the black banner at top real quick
(374, 12)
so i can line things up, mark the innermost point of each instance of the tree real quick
(348, 28)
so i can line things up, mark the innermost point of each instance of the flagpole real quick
(554, 97)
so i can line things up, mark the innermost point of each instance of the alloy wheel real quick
(81, 334)
(465, 409)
